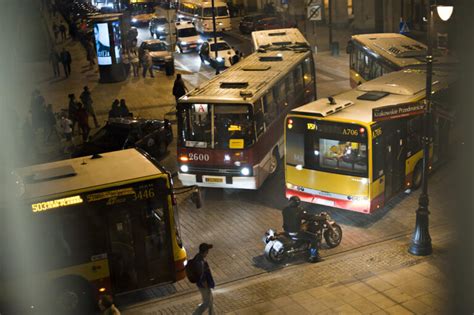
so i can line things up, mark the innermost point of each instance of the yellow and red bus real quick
(230, 129)
(356, 150)
(373, 55)
(104, 224)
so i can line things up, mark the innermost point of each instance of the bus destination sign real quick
(397, 111)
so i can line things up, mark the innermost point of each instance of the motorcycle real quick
(279, 246)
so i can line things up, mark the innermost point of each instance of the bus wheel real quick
(73, 297)
(274, 161)
(417, 175)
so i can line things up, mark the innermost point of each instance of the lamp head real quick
(445, 11)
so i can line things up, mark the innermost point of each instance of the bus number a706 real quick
(198, 157)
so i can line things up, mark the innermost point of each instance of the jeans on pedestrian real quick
(145, 69)
(135, 69)
(207, 302)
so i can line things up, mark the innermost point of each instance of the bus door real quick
(395, 156)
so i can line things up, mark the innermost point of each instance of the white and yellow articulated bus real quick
(356, 150)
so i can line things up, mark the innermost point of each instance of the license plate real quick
(214, 180)
(324, 202)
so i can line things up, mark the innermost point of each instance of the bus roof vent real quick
(52, 173)
(271, 58)
(246, 93)
(372, 96)
(234, 85)
(324, 107)
(277, 34)
(256, 68)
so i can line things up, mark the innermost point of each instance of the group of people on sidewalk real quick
(64, 57)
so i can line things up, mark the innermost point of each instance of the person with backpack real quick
(198, 272)
(179, 88)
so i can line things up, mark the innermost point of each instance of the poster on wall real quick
(102, 42)
(117, 41)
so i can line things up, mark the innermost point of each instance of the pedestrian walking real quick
(72, 111)
(133, 56)
(147, 64)
(62, 30)
(54, 59)
(86, 99)
(126, 62)
(66, 60)
(50, 124)
(55, 32)
(83, 121)
(107, 306)
(205, 283)
(72, 30)
(179, 88)
(114, 112)
(90, 54)
(235, 57)
(123, 109)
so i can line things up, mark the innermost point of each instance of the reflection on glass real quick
(102, 41)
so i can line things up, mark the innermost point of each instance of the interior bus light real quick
(183, 158)
(102, 290)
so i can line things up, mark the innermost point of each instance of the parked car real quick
(151, 135)
(160, 54)
(187, 38)
(159, 27)
(269, 23)
(248, 23)
(207, 53)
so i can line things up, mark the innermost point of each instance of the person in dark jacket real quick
(72, 109)
(115, 110)
(123, 109)
(56, 32)
(179, 88)
(66, 60)
(293, 215)
(62, 30)
(50, 123)
(86, 99)
(206, 282)
(54, 59)
(82, 118)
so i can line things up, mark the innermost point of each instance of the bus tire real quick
(274, 161)
(417, 175)
(73, 295)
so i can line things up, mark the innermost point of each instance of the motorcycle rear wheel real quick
(333, 236)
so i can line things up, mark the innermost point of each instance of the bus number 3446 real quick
(198, 157)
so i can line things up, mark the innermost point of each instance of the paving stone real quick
(364, 306)
(346, 309)
(397, 295)
(378, 284)
(381, 300)
(417, 307)
(398, 310)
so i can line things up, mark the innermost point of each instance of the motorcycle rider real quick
(293, 215)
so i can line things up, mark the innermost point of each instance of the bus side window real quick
(375, 70)
(298, 78)
(307, 73)
(270, 108)
(378, 157)
(259, 118)
(280, 96)
(290, 89)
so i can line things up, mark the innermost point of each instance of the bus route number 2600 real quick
(198, 157)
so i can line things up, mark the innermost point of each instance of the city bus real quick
(102, 224)
(200, 13)
(356, 150)
(230, 129)
(373, 55)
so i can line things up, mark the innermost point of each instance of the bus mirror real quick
(196, 198)
(350, 47)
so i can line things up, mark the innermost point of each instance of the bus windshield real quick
(220, 11)
(233, 126)
(327, 146)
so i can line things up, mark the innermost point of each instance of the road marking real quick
(205, 76)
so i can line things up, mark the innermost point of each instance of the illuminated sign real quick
(376, 132)
(234, 128)
(58, 203)
(110, 194)
(236, 143)
(102, 43)
(311, 126)
(350, 132)
(397, 111)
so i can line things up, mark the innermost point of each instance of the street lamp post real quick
(215, 35)
(421, 239)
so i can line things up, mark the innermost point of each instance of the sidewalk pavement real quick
(382, 278)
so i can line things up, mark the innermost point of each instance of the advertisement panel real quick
(117, 41)
(102, 42)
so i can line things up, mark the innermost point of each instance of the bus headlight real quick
(184, 168)
(161, 28)
(245, 171)
(200, 41)
(290, 186)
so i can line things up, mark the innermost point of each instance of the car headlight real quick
(219, 59)
(200, 41)
(184, 168)
(161, 28)
(245, 171)
(183, 43)
(134, 20)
